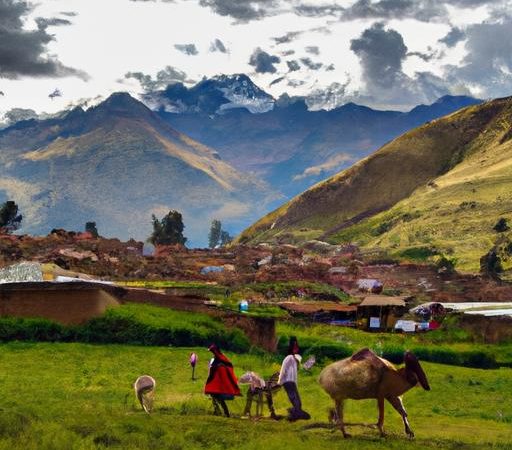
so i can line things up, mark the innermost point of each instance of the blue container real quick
(243, 306)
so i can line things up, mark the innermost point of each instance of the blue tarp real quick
(211, 269)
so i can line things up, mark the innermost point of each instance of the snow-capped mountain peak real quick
(212, 96)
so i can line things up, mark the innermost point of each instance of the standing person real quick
(221, 384)
(288, 379)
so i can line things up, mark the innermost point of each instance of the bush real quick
(394, 353)
(328, 351)
(446, 265)
(418, 253)
(501, 225)
(20, 329)
(382, 228)
(490, 264)
(322, 349)
(474, 358)
(480, 360)
(131, 324)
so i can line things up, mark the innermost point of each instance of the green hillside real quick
(440, 188)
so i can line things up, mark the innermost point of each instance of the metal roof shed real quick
(383, 300)
(380, 312)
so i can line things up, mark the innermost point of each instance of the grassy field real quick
(78, 396)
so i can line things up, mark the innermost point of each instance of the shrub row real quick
(328, 350)
(115, 329)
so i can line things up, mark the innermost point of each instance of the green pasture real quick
(79, 396)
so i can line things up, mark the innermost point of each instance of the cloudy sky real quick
(382, 53)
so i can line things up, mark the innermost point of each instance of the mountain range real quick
(439, 189)
(223, 149)
(280, 140)
(116, 164)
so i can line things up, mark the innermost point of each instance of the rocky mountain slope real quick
(282, 141)
(116, 164)
(437, 190)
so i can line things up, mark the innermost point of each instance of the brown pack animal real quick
(365, 375)
(144, 390)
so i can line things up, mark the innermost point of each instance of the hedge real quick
(133, 324)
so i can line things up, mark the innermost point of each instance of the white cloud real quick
(232, 210)
(331, 165)
(110, 38)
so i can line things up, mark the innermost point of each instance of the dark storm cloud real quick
(276, 81)
(24, 52)
(309, 10)
(432, 54)
(427, 87)
(423, 10)
(471, 3)
(43, 23)
(17, 114)
(288, 37)
(311, 64)
(381, 53)
(163, 78)
(454, 36)
(313, 50)
(187, 49)
(488, 61)
(55, 93)
(218, 46)
(263, 62)
(242, 10)
(293, 66)
(385, 9)
(296, 83)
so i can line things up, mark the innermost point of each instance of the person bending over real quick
(288, 379)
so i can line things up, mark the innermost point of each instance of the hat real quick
(293, 346)
(213, 348)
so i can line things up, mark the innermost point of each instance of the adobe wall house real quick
(67, 303)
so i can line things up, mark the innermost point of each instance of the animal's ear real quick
(412, 365)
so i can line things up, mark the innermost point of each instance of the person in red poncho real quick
(222, 383)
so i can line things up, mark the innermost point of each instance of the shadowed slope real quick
(437, 165)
